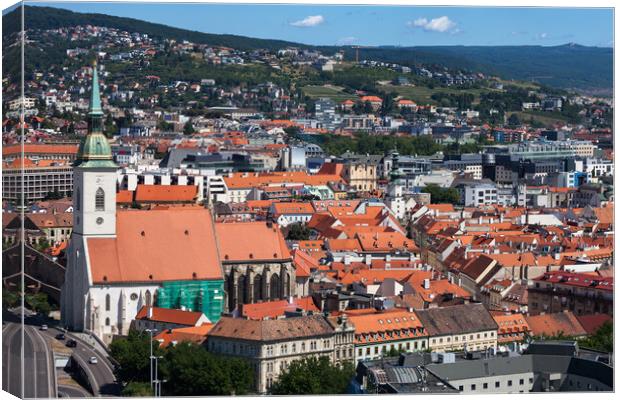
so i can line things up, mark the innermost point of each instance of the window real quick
(509, 383)
(100, 200)
(521, 381)
(473, 387)
(461, 388)
(485, 385)
(107, 302)
(107, 322)
(78, 200)
(497, 384)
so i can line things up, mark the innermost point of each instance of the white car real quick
(43, 327)
(93, 360)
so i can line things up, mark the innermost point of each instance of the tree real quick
(298, 232)
(192, 371)
(188, 129)
(313, 376)
(132, 353)
(441, 195)
(602, 340)
(138, 389)
(10, 298)
(514, 120)
(38, 302)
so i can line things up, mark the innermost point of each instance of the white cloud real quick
(347, 40)
(543, 35)
(440, 24)
(310, 21)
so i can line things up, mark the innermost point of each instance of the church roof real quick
(155, 246)
(251, 241)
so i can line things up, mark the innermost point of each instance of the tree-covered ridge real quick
(568, 66)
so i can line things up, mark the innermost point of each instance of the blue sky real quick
(377, 25)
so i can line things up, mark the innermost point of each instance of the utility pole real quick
(151, 331)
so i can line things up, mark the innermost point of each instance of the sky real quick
(377, 25)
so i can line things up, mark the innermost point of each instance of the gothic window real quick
(78, 200)
(107, 322)
(241, 292)
(107, 302)
(100, 200)
(258, 287)
(274, 287)
(148, 298)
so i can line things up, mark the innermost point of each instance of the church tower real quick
(94, 176)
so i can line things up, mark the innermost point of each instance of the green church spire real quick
(95, 99)
(95, 151)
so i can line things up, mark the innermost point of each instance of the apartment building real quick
(270, 345)
(465, 326)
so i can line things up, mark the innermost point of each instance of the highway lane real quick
(72, 391)
(102, 373)
(38, 363)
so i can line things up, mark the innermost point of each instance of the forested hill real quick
(568, 66)
(51, 18)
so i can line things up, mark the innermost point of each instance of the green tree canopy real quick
(313, 376)
(192, 371)
(441, 195)
(298, 232)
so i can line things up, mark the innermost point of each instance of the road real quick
(38, 362)
(72, 391)
(101, 374)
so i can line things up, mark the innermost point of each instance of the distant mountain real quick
(568, 66)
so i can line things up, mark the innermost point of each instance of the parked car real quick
(60, 336)
(93, 360)
(71, 343)
(43, 327)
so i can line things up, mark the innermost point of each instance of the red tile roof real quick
(251, 241)
(578, 279)
(166, 193)
(195, 334)
(276, 308)
(171, 316)
(554, 324)
(155, 246)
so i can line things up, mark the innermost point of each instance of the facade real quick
(378, 333)
(40, 179)
(270, 345)
(466, 326)
(361, 175)
(578, 292)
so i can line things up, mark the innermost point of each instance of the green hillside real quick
(569, 66)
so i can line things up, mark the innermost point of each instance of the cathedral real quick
(120, 260)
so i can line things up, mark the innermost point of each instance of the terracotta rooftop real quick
(166, 193)
(554, 324)
(251, 241)
(171, 316)
(155, 246)
(276, 308)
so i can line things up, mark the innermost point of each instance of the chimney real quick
(368, 259)
(427, 284)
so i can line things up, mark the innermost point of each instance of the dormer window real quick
(100, 200)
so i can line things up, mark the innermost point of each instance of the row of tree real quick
(190, 370)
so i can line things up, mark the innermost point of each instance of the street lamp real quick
(157, 382)
(151, 331)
